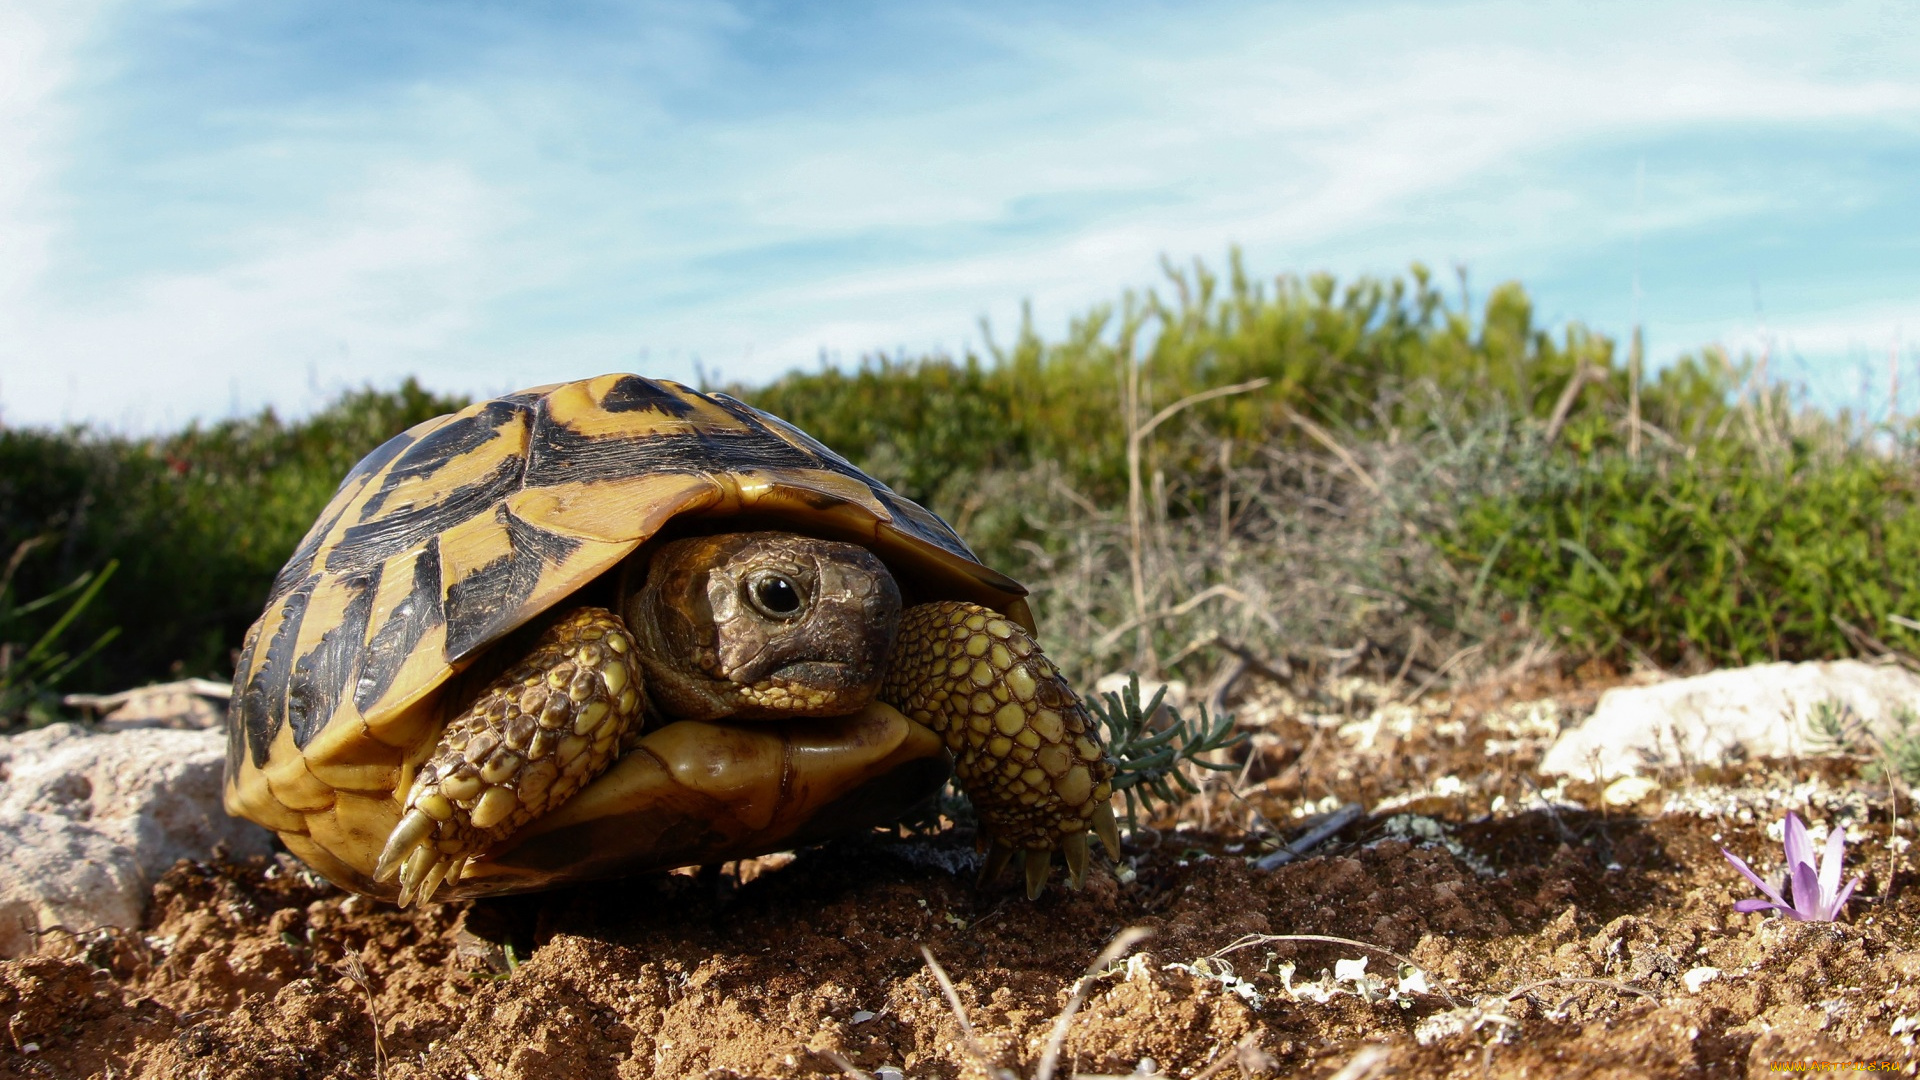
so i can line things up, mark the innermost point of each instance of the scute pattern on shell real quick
(460, 530)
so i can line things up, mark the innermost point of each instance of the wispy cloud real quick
(219, 206)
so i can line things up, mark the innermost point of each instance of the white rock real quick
(1629, 790)
(88, 822)
(1699, 977)
(1760, 711)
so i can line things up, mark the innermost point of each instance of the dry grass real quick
(1316, 554)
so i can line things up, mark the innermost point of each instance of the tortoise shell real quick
(459, 531)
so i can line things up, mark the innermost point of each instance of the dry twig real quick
(1137, 435)
(358, 973)
(967, 1037)
(1367, 1062)
(1321, 436)
(1117, 948)
(840, 1062)
(1312, 838)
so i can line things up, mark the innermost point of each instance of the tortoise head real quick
(762, 625)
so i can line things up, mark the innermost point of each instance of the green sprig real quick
(1148, 758)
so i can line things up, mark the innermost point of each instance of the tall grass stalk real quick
(33, 660)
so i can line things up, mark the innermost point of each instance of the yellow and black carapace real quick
(619, 625)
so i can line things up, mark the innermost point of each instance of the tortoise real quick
(617, 625)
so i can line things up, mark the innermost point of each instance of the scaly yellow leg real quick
(532, 738)
(1026, 751)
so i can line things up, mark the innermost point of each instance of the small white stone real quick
(1629, 790)
(861, 1017)
(1699, 977)
(1413, 980)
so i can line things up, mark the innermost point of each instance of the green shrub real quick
(1717, 542)
(1727, 558)
(199, 522)
(1345, 356)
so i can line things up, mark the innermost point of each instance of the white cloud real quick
(394, 272)
(37, 43)
(486, 229)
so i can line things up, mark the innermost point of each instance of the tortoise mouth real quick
(710, 791)
(833, 675)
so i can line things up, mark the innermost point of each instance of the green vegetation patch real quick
(1725, 558)
(1397, 474)
(198, 522)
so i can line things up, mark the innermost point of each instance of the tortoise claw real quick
(425, 871)
(412, 856)
(406, 836)
(1075, 848)
(435, 875)
(414, 871)
(1108, 830)
(1039, 862)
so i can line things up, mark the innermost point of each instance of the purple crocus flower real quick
(1817, 895)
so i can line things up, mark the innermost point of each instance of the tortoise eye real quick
(775, 595)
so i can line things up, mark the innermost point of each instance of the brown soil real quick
(1557, 941)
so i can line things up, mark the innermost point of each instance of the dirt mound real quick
(1532, 938)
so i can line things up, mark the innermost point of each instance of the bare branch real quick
(1582, 375)
(1324, 438)
(1118, 947)
(971, 1041)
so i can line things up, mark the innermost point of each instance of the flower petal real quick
(1758, 881)
(1756, 904)
(1799, 846)
(1830, 864)
(1806, 894)
(1840, 901)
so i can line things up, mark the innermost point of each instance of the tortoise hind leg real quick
(1025, 749)
(534, 736)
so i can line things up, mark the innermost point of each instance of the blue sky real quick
(207, 207)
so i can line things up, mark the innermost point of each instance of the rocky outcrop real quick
(88, 821)
(188, 703)
(1768, 710)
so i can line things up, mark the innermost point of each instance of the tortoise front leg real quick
(529, 740)
(1025, 749)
